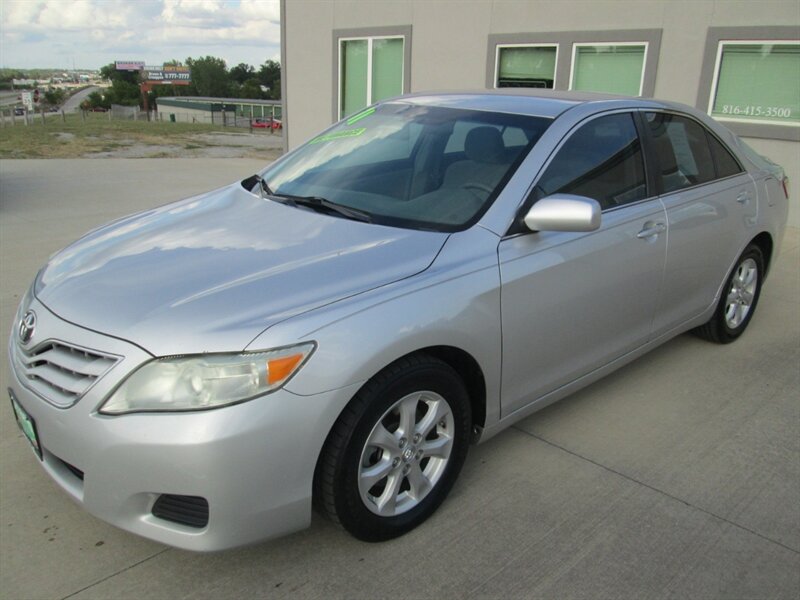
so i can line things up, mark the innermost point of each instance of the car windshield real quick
(411, 166)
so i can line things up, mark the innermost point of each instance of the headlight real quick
(205, 381)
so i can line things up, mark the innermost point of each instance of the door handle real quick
(743, 198)
(651, 229)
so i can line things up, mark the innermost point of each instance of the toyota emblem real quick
(26, 326)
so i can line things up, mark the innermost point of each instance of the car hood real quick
(210, 273)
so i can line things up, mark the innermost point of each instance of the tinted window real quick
(726, 163)
(526, 66)
(602, 160)
(682, 152)
(758, 82)
(616, 69)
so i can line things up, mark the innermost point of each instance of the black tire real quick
(720, 328)
(338, 472)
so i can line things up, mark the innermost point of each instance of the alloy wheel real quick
(406, 453)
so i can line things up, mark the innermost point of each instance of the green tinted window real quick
(527, 66)
(387, 68)
(371, 70)
(607, 68)
(354, 76)
(758, 82)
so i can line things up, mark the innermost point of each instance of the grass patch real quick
(95, 134)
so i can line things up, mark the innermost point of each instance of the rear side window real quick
(724, 160)
(682, 151)
(601, 160)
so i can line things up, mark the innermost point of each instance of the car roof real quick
(530, 101)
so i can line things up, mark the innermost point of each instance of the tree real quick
(209, 76)
(95, 100)
(275, 90)
(242, 72)
(124, 87)
(250, 89)
(269, 74)
(54, 97)
(123, 92)
(110, 73)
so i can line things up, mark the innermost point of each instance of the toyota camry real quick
(338, 329)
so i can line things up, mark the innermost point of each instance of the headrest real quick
(484, 144)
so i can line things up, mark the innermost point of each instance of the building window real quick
(611, 68)
(526, 66)
(757, 82)
(615, 61)
(370, 69)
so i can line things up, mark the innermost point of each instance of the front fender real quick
(456, 302)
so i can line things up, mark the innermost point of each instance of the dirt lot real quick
(99, 137)
(198, 145)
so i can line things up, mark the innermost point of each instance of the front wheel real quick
(395, 452)
(739, 299)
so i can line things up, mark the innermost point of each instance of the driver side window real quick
(601, 160)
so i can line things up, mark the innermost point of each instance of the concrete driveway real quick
(678, 476)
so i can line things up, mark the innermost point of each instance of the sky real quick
(92, 33)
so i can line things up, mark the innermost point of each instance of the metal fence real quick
(9, 118)
(220, 118)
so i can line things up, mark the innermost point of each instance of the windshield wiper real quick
(318, 202)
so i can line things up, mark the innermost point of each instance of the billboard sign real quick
(129, 65)
(168, 74)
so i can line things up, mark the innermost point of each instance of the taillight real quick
(785, 184)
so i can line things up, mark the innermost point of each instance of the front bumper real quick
(253, 462)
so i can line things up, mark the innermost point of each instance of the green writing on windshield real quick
(360, 115)
(337, 135)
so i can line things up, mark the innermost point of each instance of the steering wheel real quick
(473, 185)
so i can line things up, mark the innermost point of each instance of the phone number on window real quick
(780, 112)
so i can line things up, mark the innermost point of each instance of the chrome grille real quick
(60, 373)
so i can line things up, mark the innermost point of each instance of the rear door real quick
(572, 302)
(712, 207)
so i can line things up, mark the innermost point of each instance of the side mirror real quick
(564, 212)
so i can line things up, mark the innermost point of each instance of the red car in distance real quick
(266, 123)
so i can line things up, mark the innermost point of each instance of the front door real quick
(573, 302)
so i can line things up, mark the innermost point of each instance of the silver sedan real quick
(339, 328)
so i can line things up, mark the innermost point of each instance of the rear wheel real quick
(395, 452)
(739, 299)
